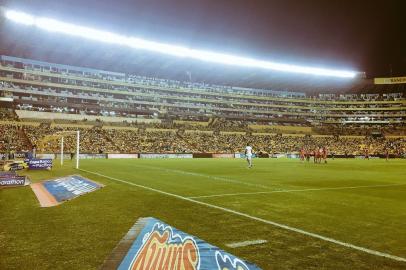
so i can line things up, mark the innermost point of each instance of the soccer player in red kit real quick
(320, 154)
(302, 154)
(325, 154)
(308, 154)
(316, 155)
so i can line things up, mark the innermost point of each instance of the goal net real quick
(63, 139)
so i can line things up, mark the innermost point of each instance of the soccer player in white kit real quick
(248, 154)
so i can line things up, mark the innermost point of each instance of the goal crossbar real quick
(60, 135)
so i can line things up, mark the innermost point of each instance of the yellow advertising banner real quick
(393, 80)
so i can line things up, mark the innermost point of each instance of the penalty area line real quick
(279, 225)
(292, 190)
(246, 243)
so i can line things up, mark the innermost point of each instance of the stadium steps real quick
(109, 139)
(186, 144)
(25, 138)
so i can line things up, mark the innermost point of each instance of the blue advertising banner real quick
(160, 246)
(69, 187)
(40, 164)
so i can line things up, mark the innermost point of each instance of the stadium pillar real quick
(77, 149)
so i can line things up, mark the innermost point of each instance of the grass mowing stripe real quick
(293, 190)
(279, 225)
(206, 176)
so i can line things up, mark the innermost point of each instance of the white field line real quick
(246, 243)
(293, 190)
(206, 176)
(279, 225)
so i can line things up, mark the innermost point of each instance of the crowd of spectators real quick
(12, 139)
(360, 130)
(102, 93)
(7, 114)
(119, 140)
(47, 139)
(171, 136)
(10, 135)
(164, 142)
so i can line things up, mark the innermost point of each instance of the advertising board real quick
(110, 156)
(166, 155)
(13, 180)
(40, 164)
(153, 244)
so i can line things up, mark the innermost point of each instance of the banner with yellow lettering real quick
(392, 80)
(162, 247)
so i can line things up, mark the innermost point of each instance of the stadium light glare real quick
(53, 25)
(20, 17)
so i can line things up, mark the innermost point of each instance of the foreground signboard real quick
(159, 246)
(56, 191)
(11, 179)
(13, 165)
(7, 173)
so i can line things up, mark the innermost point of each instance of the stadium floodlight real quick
(56, 26)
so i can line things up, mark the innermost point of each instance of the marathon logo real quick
(224, 262)
(12, 181)
(161, 249)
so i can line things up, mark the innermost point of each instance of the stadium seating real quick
(126, 113)
(132, 140)
(101, 94)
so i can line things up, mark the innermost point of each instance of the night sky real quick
(360, 35)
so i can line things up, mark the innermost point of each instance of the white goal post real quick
(61, 135)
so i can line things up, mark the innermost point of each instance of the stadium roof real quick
(31, 43)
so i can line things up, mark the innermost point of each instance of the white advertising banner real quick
(166, 155)
(122, 155)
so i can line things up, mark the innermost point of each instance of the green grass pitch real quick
(358, 202)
